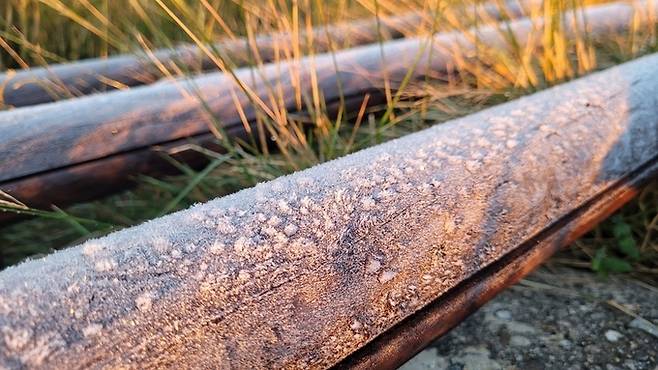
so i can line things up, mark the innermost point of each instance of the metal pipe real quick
(305, 270)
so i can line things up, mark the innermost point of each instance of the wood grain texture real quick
(59, 136)
(62, 81)
(307, 269)
(399, 344)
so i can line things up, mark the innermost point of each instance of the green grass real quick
(47, 31)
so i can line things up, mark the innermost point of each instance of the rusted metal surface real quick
(307, 269)
(56, 82)
(98, 127)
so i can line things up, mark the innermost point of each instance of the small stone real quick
(647, 326)
(429, 359)
(519, 341)
(504, 314)
(356, 325)
(565, 343)
(613, 336)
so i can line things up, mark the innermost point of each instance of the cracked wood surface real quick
(307, 269)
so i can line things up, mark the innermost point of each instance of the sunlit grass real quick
(49, 31)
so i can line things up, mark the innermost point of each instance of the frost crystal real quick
(91, 248)
(144, 301)
(290, 229)
(92, 330)
(105, 264)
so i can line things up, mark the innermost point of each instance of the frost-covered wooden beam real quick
(47, 150)
(43, 85)
(306, 270)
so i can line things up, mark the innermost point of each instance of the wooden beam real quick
(43, 85)
(63, 139)
(304, 271)
(399, 344)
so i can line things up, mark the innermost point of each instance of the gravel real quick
(555, 319)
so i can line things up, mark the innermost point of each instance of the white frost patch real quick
(283, 206)
(306, 202)
(161, 245)
(269, 230)
(176, 253)
(290, 229)
(244, 275)
(190, 247)
(368, 203)
(91, 248)
(274, 221)
(386, 276)
(16, 339)
(44, 346)
(356, 325)
(242, 244)
(224, 225)
(105, 264)
(92, 330)
(217, 247)
(511, 144)
(144, 301)
(373, 265)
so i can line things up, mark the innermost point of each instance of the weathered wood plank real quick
(56, 82)
(59, 136)
(305, 270)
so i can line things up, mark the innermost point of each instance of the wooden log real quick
(54, 139)
(42, 85)
(393, 348)
(303, 271)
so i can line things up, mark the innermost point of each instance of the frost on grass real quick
(372, 236)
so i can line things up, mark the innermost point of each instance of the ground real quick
(556, 318)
